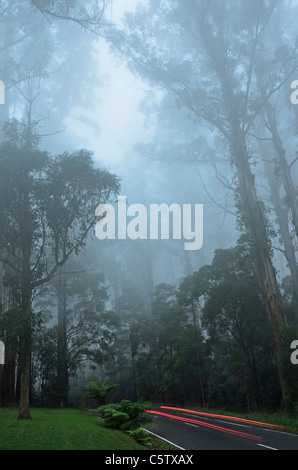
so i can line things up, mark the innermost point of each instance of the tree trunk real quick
(252, 217)
(134, 375)
(287, 240)
(25, 360)
(255, 224)
(253, 379)
(25, 356)
(26, 309)
(282, 219)
(284, 168)
(62, 362)
(7, 387)
(198, 355)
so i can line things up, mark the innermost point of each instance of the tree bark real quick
(199, 362)
(25, 360)
(287, 240)
(26, 305)
(255, 224)
(25, 356)
(62, 362)
(7, 387)
(248, 205)
(284, 168)
(282, 219)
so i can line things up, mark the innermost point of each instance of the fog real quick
(184, 107)
(117, 122)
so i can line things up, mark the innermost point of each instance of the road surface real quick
(190, 432)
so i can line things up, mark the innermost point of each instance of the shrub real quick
(99, 390)
(125, 415)
(141, 436)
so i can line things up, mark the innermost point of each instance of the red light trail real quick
(232, 418)
(207, 425)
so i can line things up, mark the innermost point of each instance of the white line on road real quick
(267, 447)
(234, 424)
(261, 445)
(159, 437)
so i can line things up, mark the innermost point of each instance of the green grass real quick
(60, 429)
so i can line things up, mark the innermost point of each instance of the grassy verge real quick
(62, 429)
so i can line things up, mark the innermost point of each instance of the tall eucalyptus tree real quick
(206, 54)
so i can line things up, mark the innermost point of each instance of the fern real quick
(99, 390)
(125, 415)
(114, 418)
(141, 436)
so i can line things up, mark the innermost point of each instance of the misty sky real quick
(118, 124)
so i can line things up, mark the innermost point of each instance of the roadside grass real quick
(63, 429)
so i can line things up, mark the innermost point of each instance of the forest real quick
(155, 102)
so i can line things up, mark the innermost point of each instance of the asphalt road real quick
(190, 432)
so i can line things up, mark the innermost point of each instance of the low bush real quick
(141, 436)
(125, 415)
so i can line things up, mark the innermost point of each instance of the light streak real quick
(207, 425)
(232, 418)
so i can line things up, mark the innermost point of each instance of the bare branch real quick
(293, 162)
(89, 22)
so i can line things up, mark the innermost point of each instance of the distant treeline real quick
(206, 342)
